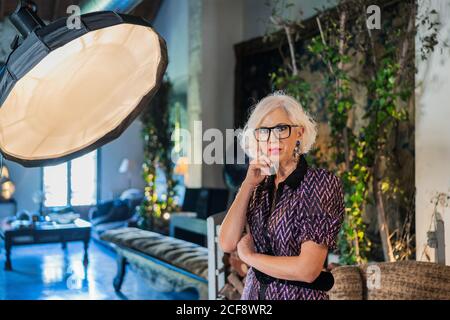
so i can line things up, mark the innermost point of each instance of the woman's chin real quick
(279, 158)
(275, 158)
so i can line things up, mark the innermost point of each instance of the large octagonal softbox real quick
(67, 91)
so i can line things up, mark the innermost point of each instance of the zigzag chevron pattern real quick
(312, 211)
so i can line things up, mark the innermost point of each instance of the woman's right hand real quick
(234, 222)
(258, 169)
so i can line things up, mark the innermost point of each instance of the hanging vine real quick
(156, 132)
(331, 46)
(366, 158)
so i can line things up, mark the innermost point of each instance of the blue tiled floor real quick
(48, 272)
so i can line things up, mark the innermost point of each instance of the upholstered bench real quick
(169, 264)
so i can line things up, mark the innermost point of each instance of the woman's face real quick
(280, 145)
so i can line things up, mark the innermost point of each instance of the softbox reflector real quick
(65, 92)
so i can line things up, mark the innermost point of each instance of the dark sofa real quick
(115, 214)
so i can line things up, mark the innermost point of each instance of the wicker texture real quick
(411, 280)
(402, 280)
(348, 284)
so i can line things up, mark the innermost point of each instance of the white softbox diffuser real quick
(65, 92)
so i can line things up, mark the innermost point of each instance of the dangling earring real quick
(297, 150)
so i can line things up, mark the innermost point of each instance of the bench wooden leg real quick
(121, 269)
(8, 264)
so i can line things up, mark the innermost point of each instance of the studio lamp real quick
(67, 89)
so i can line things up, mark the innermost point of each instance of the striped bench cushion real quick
(182, 254)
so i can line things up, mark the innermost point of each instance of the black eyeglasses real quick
(281, 131)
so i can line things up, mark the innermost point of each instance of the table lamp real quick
(125, 168)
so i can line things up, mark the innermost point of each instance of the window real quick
(71, 183)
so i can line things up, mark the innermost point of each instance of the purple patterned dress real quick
(309, 205)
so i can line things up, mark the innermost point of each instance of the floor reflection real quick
(52, 273)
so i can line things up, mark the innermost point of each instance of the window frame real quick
(69, 182)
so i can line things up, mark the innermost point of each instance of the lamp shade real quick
(65, 92)
(124, 166)
(4, 172)
(7, 189)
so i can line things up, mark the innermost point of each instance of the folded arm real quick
(305, 267)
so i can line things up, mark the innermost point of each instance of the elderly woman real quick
(292, 212)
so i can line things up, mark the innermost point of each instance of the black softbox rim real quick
(39, 43)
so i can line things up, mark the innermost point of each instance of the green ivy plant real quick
(357, 156)
(156, 132)
(349, 152)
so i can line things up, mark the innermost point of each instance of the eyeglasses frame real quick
(290, 126)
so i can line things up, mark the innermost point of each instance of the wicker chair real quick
(402, 280)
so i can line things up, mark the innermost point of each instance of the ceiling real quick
(50, 10)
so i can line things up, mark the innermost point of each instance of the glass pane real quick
(55, 185)
(84, 180)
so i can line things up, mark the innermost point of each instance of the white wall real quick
(433, 132)
(200, 35)
(129, 145)
(27, 182)
(222, 28)
(172, 23)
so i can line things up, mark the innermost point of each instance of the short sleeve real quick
(324, 218)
